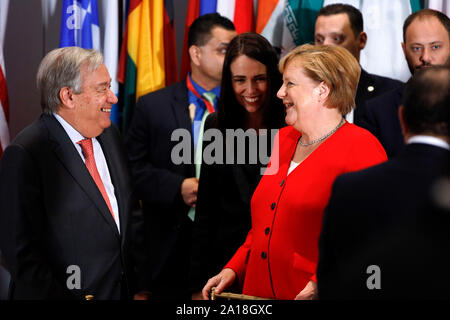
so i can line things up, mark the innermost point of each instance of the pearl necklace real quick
(322, 138)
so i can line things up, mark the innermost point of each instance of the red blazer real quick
(280, 254)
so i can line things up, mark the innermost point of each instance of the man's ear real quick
(401, 117)
(404, 49)
(362, 40)
(66, 96)
(194, 54)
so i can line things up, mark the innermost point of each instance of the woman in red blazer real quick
(279, 257)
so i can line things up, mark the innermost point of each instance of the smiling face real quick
(249, 81)
(336, 30)
(299, 95)
(426, 43)
(92, 107)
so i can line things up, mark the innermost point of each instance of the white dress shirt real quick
(100, 162)
(429, 140)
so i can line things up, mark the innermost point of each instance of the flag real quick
(270, 21)
(79, 24)
(287, 23)
(299, 23)
(170, 51)
(207, 6)
(226, 8)
(243, 19)
(439, 5)
(110, 45)
(4, 101)
(383, 23)
(141, 66)
(193, 12)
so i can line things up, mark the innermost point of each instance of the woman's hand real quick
(221, 281)
(309, 292)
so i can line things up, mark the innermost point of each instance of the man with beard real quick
(426, 42)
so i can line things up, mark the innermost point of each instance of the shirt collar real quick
(201, 91)
(73, 134)
(429, 140)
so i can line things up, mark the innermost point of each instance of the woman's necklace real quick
(322, 138)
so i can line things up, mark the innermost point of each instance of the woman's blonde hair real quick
(333, 65)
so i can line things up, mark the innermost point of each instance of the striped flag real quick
(287, 23)
(141, 66)
(4, 101)
(79, 24)
(270, 21)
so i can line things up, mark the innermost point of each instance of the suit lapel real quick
(366, 90)
(180, 106)
(70, 159)
(112, 156)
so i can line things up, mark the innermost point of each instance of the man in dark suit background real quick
(167, 188)
(69, 228)
(426, 42)
(343, 25)
(383, 234)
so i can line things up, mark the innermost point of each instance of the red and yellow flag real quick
(142, 60)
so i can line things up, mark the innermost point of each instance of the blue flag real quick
(79, 24)
(80, 28)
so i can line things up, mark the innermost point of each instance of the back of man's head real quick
(354, 15)
(200, 30)
(426, 102)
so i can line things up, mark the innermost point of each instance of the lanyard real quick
(191, 88)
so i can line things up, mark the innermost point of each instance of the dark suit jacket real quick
(158, 181)
(222, 218)
(52, 216)
(385, 216)
(380, 117)
(369, 87)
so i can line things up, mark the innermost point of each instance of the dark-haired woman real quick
(248, 106)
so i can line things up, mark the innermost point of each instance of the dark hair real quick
(200, 30)
(426, 101)
(230, 114)
(426, 13)
(354, 15)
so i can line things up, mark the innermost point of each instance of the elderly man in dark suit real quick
(383, 235)
(168, 188)
(69, 227)
(343, 25)
(426, 42)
